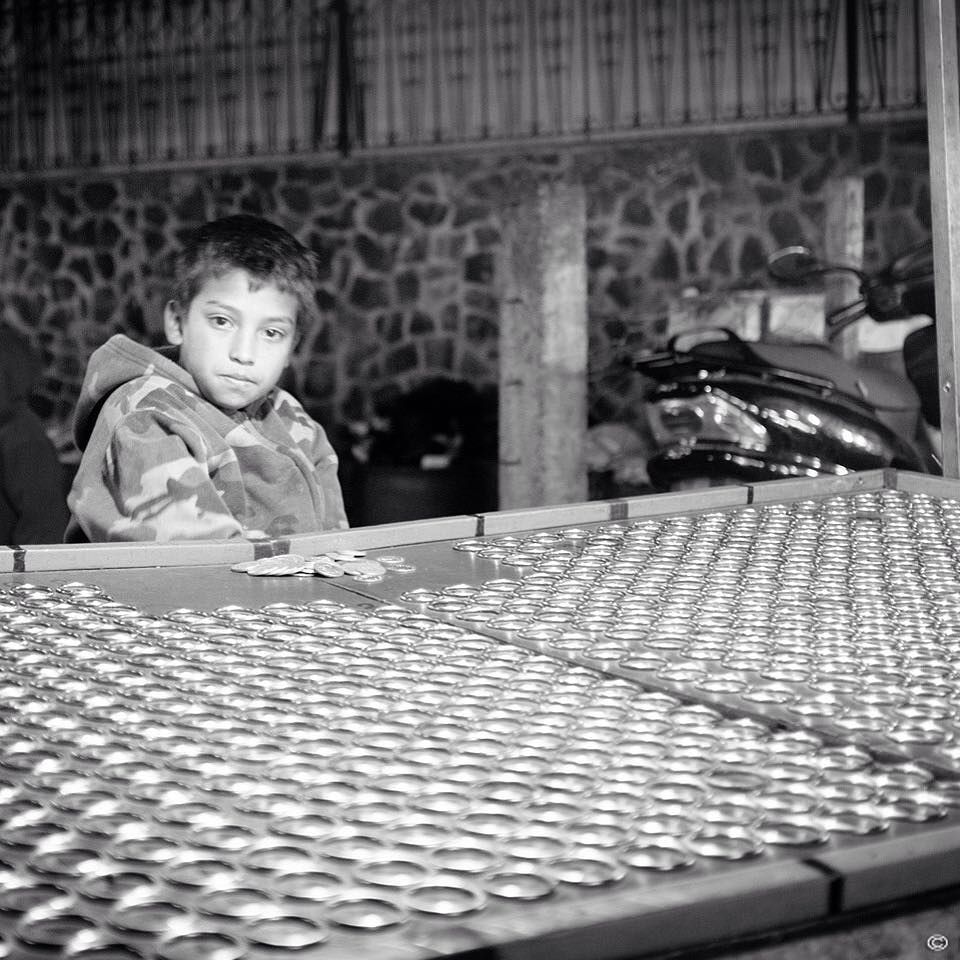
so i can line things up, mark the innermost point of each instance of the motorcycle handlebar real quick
(796, 263)
(844, 316)
(903, 288)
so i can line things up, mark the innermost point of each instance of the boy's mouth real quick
(237, 378)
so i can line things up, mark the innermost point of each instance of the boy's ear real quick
(173, 323)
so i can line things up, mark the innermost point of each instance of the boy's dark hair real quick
(263, 249)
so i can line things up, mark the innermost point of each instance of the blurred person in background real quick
(33, 506)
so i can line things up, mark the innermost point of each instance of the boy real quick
(195, 440)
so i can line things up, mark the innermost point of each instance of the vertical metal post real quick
(943, 124)
(349, 106)
(340, 9)
(853, 61)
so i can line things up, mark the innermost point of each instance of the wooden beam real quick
(943, 126)
(543, 348)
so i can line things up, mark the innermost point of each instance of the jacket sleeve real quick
(152, 484)
(313, 443)
(325, 465)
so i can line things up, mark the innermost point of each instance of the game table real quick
(713, 722)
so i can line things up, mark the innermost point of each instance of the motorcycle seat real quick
(882, 389)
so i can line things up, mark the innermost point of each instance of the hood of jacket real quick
(117, 362)
(20, 370)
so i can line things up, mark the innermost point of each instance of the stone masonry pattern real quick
(408, 249)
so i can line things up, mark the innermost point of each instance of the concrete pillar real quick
(543, 348)
(843, 244)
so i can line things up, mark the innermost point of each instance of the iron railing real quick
(119, 82)
(454, 70)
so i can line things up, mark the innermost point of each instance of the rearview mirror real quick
(792, 264)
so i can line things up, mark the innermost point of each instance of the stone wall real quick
(409, 248)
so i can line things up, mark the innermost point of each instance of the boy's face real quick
(234, 341)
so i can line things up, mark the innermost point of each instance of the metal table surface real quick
(196, 762)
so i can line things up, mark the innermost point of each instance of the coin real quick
(342, 555)
(281, 566)
(469, 546)
(363, 568)
(325, 567)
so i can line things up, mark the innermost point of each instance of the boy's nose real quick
(242, 347)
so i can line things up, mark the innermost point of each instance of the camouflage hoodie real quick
(162, 463)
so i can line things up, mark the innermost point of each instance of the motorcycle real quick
(724, 410)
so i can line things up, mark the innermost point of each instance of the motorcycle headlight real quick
(706, 417)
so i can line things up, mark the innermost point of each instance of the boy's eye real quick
(275, 333)
(219, 321)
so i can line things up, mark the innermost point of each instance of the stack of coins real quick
(335, 564)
